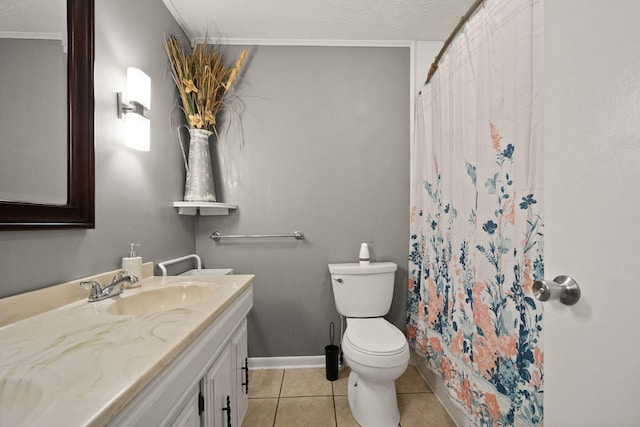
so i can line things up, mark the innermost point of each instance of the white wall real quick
(424, 54)
(592, 205)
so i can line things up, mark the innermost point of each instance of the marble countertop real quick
(78, 365)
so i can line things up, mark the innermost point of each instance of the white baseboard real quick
(286, 362)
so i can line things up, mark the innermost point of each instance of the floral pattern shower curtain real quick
(476, 217)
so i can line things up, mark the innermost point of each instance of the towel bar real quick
(216, 236)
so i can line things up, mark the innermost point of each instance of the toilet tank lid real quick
(357, 268)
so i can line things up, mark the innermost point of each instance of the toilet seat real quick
(374, 342)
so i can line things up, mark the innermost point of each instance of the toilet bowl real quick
(377, 353)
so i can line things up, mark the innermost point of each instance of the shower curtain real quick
(476, 217)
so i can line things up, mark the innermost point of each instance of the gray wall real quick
(134, 190)
(326, 151)
(326, 133)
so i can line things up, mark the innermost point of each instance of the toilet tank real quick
(363, 290)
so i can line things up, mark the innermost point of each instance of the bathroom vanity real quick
(171, 352)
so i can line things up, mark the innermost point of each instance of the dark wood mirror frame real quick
(79, 212)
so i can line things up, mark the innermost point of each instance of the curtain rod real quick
(463, 20)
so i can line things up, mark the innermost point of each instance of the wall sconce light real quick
(138, 127)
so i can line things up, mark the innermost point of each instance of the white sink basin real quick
(172, 296)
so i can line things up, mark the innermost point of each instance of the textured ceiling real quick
(357, 20)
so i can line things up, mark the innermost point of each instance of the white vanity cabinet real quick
(217, 390)
(190, 414)
(225, 387)
(193, 389)
(241, 385)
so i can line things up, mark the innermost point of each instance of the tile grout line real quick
(333, 398)
(278, 401)
(302, 396)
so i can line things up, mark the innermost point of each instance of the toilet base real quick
(373, 404)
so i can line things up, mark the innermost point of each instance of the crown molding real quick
(302, 42)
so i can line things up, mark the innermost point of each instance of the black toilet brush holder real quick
(331, 356)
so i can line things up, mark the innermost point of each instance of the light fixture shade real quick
(138, 132)
(138, 87)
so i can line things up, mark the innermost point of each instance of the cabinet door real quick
(189, 415)
(241, 383)
(218, 392)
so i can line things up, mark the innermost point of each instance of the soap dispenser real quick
(132, 264)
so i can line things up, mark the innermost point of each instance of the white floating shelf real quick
(204, 208)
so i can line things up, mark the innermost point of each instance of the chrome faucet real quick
(98, 293)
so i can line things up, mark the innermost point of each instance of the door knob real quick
(563, 288)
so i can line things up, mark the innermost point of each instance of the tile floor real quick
(304, 397)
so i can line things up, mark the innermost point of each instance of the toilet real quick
(376, 351)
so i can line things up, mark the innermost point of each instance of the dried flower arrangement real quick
(203, 80)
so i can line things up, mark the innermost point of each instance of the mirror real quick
(74, 208)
